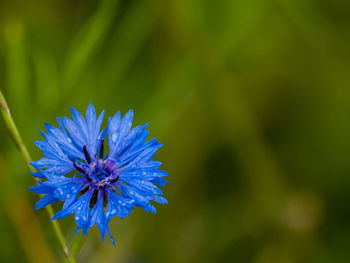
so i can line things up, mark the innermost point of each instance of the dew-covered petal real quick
(129, 139)
(143, 157)
(118, 131)
(126, 124)
(81, 206)
(140, 199)
(97, 214)
(91, 121)
(143, 173)
(65, 190)
(75, 132)
(81, 123)
(93, 127)
(143, 153)
(69, 201)
(53, 166)
(117, 205)
(55, 158)
(159, 181)
(113, 131)
(82, 211)
(143, 185)
(63, 140)
(139, 141)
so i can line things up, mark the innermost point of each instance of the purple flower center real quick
(99, 172)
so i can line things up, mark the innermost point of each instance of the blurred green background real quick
(250, 98)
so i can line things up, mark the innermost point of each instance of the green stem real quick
(17, 139)
(77, 244)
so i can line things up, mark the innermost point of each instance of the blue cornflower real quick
(93, 186)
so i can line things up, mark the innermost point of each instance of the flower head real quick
(94, 186)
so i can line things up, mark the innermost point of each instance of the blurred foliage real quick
(250, 98)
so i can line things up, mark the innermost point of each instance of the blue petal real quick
(91, 121)
(97, 215)
(66, 190)
(69, 201)
(38, 174)
(139, 141)
(145, 174)
(145, 156)
(97, 134)
(110, 235)
(117, 205)
(139, 153)
(82, 211)
(45, 174)
(143, 185)
(159, 181)
(53, 166)
(140, 199)
(160, 200)
(81, 205)
(80, 121)
(75, 131)
(93, 126)
(69, 138)
(46, 200)
(126, 124)
(118, 131)
(113, 131)
(63, 140)
(130, 139)
(42, 188)
(151, 165)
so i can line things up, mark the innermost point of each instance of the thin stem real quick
(76, 245)
(17, 139)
